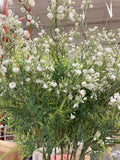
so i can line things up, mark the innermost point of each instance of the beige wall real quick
(97, 16)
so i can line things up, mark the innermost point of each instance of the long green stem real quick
(68, 152)
(84, 149)
(55, 154)
(74, 156)
(49, 156)
(71, 155)
(44, 155)
(62, 152)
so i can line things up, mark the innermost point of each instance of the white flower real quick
(38, 81)
(109, 50)
(47, 50)
(84, 84)
(90, 6)
(112, 101)
(97, 74)
(65, 90)
(53, 1)
(85, 98)
(118, 65)
(26, 34)
(53, 84)
(93, 58)
(39, 69)
(119, 107)
(60, 16)
(60, 9)
(70, 39)
(99, 54)
(32, 21)
(78, 98)
(82, 6)
(29, 17)
(116, 95)
(69, 1)
(113, 77)
(15, 69)
(45, 85)
(91, 86)
(71, 16)
(98, 134)
(85, 71)
(75, 105)
(78, 72)
(50, 15)
(5, 62)
(82, 92)
(27, 79)
(91, 70)
(94, 139)
(52, 69)
(42, 61)
(72, 116)
(3, 69)
(57, 30)
(28, 23)
(58, 92)
(31, 3)
(51, 41)
(12, 85)
(88, 77)
(99, 63)
(27, 69)
(70, 96)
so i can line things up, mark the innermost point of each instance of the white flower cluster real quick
(86, 3)
(61, 10)
(31, 3)
(12, 23)
(12, 85)
(115, 100)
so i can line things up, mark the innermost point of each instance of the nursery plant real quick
(61, 89)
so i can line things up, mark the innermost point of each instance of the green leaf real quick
(61, 107)
(68, 140)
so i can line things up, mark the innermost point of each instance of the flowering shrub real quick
(59, 94)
